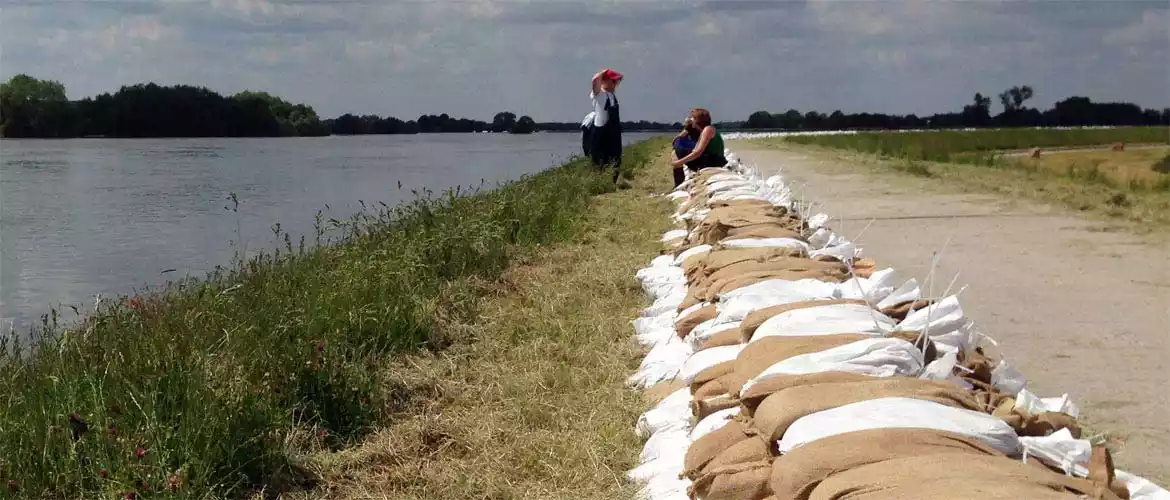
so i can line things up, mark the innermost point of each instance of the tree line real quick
(1071, 112)
(40, 108)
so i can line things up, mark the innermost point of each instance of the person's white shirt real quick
(600, 116)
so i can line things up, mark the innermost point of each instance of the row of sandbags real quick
(782, 364)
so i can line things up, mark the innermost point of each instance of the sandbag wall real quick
(782, 364)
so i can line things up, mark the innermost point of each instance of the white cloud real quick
(1152, 28)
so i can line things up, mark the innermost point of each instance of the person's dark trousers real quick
(679, 176)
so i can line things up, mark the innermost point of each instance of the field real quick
(1133, 185)
(221, 387)
(980, 146)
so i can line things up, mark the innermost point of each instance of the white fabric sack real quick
(713, 422)
(938, 319)
(662, 363)
(844, 253)
(872, 289)
(1008, 379)
(1031, 403)
(826, 320)
(654, 330)
(696, 338)
(665, 305)
(665, 487)
(877, 357)
(886, 413)
(658, 467)
(737, 304)
(665, 444)
(1141, 488)
(823, 237)
(766, 243)
(672, 413)
(905, 293)
(674, 234)
(1060, 449)
(707, 358)
(691, 252)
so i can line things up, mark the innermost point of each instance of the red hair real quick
(702, 117)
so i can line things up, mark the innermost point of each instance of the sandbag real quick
(657, 392)
(734, 482)
(707, 389)
(706, 448)
(764, 230)
(826, 319)
(684, 325)
(779, 410)
(875, 356)
(955, 476)
(750, 450)
(727, 337)
(751, 398)
(703, 407)
(711, 374)
(756, 318)
(758, 356)
(899, 412)
(796, 473)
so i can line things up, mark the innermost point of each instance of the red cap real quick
(611, 75)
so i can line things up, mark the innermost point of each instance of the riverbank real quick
(224, 386)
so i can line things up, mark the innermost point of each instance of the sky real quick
(473, 58)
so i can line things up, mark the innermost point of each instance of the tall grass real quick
(979, 146)
(205, 388)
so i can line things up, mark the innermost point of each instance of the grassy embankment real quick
(1133, 184)
(469, 345)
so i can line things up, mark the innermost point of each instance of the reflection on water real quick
(96, 216)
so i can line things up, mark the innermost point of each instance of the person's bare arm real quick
(704, 138)
(597, 82)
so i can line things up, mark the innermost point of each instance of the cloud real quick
(476, 57)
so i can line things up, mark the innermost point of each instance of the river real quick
(84, 217)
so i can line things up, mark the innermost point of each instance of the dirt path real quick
(1076, 309)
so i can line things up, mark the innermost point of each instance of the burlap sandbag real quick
(955, 476)
(751, 450)
(792, 264)
(1039, 424)
(763, 353)
(684, 325)
(765, 230)
(657, 392)
(798, 472)
(706, 448)
(719, 258)
(701, 408)
(724, 338)
(707, 390)
(778, 411)
(756, 318)
(734, 482)
(711, 373)
(741, 203)
(723, 286)
(751, 399)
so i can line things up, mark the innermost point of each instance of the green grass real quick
(980, 146)
(211, 388)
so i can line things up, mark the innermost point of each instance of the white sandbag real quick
(877, 357)
(691, 252)
(1141, 488)
(766, 243)
(1031, 404)
(688, 311)
(666, 305)
(697, 337)
(1008, 379)
(662, 261)
(844, 253)
(674, 234)
(664, 487)
(741, 301)
(907, 292)
(823, 237)
(942, 368)
(873, 289)
(654, 330)
(727, 185)
(713, 422)
(650, 469)
(817, 221)
(938, 319)
(900, 413)
(665, 444)
(705, 359)
(826, 320)
(1059, 449)
(678, 196)
(662, 363)
(672, 413)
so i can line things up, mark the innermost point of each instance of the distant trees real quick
(525, 125)
(1071, 112)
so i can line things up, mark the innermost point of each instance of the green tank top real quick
(714, 146)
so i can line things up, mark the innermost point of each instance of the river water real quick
(84, 217)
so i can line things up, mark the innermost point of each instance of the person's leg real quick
(617, 167)
(679, 175)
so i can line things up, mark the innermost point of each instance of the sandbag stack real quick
(782, 364)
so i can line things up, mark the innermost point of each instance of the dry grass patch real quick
(531, 402)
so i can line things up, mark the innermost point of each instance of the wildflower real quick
(173, 482)
(140, 452)
(143, 485)
(130, 495)
(324, 433)
(12, 486)
(113, 430)
(102, 473)
(320, 346)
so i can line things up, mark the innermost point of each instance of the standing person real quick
(606, 140)
(708, 150)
